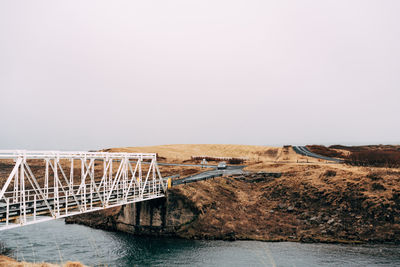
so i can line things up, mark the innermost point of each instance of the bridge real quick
(45, 185)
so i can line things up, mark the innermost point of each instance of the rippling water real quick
(56, 242)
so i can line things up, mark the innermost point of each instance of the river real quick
(57, 242)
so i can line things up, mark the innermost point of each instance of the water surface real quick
(57, 242)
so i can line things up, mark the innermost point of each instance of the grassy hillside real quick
(311, 202)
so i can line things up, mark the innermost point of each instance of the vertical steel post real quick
(71, 176)
(7, 210)
(105, 176)
(110, 177)
(46, 179)
(56, 193)
(154, 175)
(16, 183)
(22, 194)
(66, 203)
(91, 182)
(140, 174)
(34, 207)
(125, 178)
(83, 184)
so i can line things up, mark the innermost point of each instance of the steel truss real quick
(45, 185)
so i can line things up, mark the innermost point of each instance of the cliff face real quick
(308, 203)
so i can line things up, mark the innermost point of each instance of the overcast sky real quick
(96, 74)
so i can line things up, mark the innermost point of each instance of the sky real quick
(79, 75)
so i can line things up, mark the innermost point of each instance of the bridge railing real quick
(44, 185)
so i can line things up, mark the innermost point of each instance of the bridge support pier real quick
(156, 217)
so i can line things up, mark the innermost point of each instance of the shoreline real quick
(11, 262)
(338, 242)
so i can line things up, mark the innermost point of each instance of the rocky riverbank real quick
(308, 203)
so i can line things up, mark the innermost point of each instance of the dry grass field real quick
(255, 154)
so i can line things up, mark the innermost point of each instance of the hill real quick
(311, 202)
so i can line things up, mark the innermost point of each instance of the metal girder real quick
(38, 188)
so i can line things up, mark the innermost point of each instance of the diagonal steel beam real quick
(10, 177)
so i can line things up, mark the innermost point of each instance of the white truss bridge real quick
(38, 186)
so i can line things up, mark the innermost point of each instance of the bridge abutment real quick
(162, 216)
(156, 217)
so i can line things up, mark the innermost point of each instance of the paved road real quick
(187, 165)
(302, 150)
(230, 170)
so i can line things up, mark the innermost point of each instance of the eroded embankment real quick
(308, 203)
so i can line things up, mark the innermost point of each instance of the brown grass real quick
(255, 154)
(325, 151)
(377, 158)
(181, 152)
(9, 262)
(297, 206)
(282, 208)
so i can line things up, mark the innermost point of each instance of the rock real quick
(281, 205)
(290, 208)
(314, 220)
(331, 221)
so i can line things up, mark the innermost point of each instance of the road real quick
(302, 150)
(230, 170)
